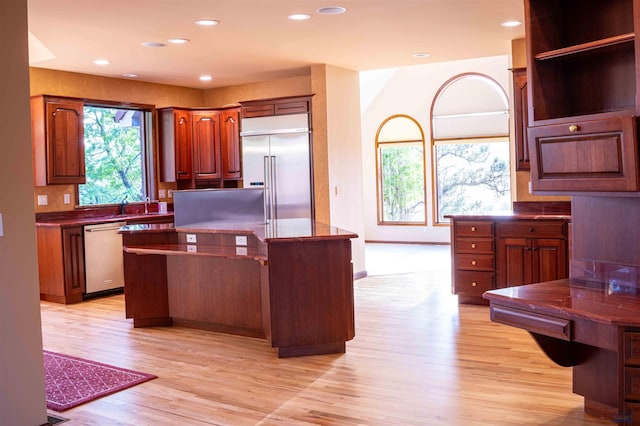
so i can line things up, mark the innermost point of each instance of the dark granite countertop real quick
(570, 298)
(282, 229)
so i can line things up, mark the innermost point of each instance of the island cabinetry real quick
(57, 133)
(531, 251)
(61, 263)
(473, 257)
(176, 144)
(582, 80)
(311, 296)
(491, 252)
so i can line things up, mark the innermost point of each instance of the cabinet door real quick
(73, 255)
(550, 258)
(514, 262)
(65, 142)
(521, 118)
(206, 145)
(230, 138)
(182, 141)
(585, 156)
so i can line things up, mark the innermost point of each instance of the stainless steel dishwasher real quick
(104, 269)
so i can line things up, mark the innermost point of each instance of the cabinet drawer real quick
(585, 156)
(532, 229)
(474, 245)
(632, 348)
(468, 283)
(472, 262)
(559, 328)
(467, 228)
(632, 384)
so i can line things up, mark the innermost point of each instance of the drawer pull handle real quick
(473, 245)
(474, 284)
(473, 229)
(473, 262)
(573, 128)
(532, 229)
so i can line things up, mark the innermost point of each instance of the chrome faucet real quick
(146, 205)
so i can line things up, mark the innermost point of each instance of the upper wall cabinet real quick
(582, 77)
(276, 106)
(57, 133)
(521, 118)
(200, 148)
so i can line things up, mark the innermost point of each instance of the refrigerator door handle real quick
(274, 188)
(267, 188)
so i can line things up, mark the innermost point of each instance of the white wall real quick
(410, 91)
(22, 396)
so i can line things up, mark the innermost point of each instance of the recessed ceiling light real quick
(130, 75)
(178, 40)
(331, 10)
(207, 22)
(511, 23)
(101, 62)
(299, 17)
(153, 44)
(206, 78)
(421, 55)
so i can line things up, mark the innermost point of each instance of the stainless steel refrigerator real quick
(276, 156)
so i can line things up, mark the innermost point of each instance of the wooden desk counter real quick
(592, 327)
(290, 282)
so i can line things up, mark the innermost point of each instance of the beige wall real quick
(294, 86)
(342, 159)
(22, 400)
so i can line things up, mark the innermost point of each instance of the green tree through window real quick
(114, 156)
(400, 168)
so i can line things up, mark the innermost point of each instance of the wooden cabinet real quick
(206, 145)
(200, 148)
(57, 133)
(230, 143)
(61, 263)
(497, 252)
(521, 118)
(582, 80)
(531, 251)
(276, 106)
(175, 142)
(473, 258)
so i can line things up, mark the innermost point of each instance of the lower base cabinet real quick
(495, 252)
(61, 263)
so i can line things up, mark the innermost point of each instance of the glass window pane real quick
(472, 178)
(114, 147)
(402, 176)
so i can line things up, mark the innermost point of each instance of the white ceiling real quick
(255, 41)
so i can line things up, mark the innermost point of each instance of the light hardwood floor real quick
(417, 359)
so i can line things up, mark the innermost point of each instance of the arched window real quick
(470, 145)
(400, 167)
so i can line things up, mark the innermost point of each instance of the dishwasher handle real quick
(115, 227)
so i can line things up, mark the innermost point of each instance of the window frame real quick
(450, 140)
(149, 153)
(379, 177)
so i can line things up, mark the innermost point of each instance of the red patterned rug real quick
(72, 381)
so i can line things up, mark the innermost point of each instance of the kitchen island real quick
(593, 327)
(289, 282)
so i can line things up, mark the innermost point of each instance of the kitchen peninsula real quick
(289, 281)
